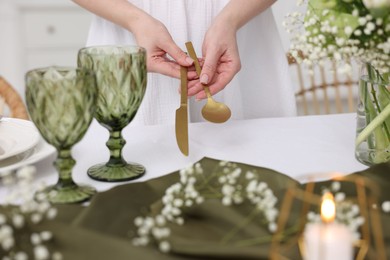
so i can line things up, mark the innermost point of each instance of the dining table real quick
(295, 146)
(303, 148)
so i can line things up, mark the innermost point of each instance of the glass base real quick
(116, 173)
(371, 157)
(71, 194)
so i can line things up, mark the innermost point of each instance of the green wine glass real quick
(61, 103)
(121, 79)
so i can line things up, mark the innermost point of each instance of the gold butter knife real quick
(181, 126)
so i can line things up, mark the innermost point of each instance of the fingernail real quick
(204, 79)
(189, 60)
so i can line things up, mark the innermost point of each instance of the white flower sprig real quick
(23, 209)
(341, 31)
(227, 183)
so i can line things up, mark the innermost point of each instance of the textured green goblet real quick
(61, 103)
(121, 79)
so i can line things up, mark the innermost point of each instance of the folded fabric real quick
(104, 229)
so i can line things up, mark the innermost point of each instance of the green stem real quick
(232, 232)
(375, 78)
(209, 177)
(212, 196)
(373, 109)
(377, 121)
(375, 100)
(259, 240)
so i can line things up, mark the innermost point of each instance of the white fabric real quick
(261, 89)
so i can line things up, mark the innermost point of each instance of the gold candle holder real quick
(365, 195)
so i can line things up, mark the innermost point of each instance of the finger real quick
(220, 83)
(165, 67)
(178, 55)
(209, 67)
(191, 68)
(191, 75)
(194, 88)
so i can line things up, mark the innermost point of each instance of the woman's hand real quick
(155, 38)
(221, 60)
(148, 32)
(220, 51)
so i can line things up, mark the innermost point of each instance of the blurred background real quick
(36, 33)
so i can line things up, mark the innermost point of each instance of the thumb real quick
(209, 68)
(178, 55)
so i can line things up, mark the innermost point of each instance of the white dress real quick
(261, 89)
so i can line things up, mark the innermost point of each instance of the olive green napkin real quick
(112, 213)
(104, 229)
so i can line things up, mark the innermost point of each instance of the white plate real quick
(16, 136)
(33, 155)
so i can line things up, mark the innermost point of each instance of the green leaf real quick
(322, 4)
(336, 19)
(380, 12)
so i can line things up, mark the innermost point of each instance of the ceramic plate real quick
(40, 151)
(16, 137)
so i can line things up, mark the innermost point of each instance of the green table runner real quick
(104, 229)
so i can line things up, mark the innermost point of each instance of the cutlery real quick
(213, 111)
(181, 126)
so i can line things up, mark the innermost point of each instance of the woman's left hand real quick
(221, 60)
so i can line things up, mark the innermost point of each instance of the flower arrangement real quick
(346, 31)
(22, 211)
(228, 184)
(342, 30)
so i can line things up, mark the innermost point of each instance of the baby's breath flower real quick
(41, 253)
(35, 239)
(56, 256)
(21, 256)
(228, 184)
(46, 235)
(164, 246)
(340, 196)
(272, 227)
(386, 206)
(18, 220)
(28, 210)
(7, 243)
(36, 218)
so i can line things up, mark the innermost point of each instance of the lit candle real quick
(327, 240)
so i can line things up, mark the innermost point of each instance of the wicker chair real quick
(11, 104)
(321, 90)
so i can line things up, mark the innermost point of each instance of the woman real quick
(238, 40)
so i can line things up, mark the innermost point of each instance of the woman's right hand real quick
(155, 38)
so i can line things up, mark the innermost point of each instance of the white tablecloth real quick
(295, 146)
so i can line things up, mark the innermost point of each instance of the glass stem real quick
(64, 165)
(116, 143)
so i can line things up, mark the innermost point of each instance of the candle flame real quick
(328, 208)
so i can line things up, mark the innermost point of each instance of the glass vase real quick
(373, 117)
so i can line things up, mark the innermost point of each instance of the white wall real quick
(37, 33)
